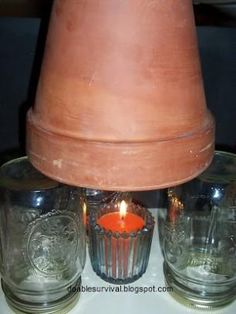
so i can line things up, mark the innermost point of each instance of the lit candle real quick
(120, 240)
(121, 221)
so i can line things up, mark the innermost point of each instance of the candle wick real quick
(122, 223)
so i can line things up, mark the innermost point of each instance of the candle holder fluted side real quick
(120, 258)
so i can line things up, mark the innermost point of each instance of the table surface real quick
(123, 302)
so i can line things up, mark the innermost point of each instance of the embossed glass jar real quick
(198, 236)
(42, 240)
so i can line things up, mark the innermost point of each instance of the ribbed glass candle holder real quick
(120, 258)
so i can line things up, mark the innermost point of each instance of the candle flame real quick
(123, 209)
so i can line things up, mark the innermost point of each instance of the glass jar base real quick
(61, 306)
(191, 298)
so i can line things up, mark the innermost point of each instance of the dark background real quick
(19, 66)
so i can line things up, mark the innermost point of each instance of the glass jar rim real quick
(19, 174)
(222, 169)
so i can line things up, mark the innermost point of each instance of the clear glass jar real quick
(198, 236)
(42, 240)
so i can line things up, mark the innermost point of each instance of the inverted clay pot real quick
(120, 102)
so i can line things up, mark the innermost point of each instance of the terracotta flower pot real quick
(120, 102)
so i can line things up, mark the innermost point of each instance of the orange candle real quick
(121, 221)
